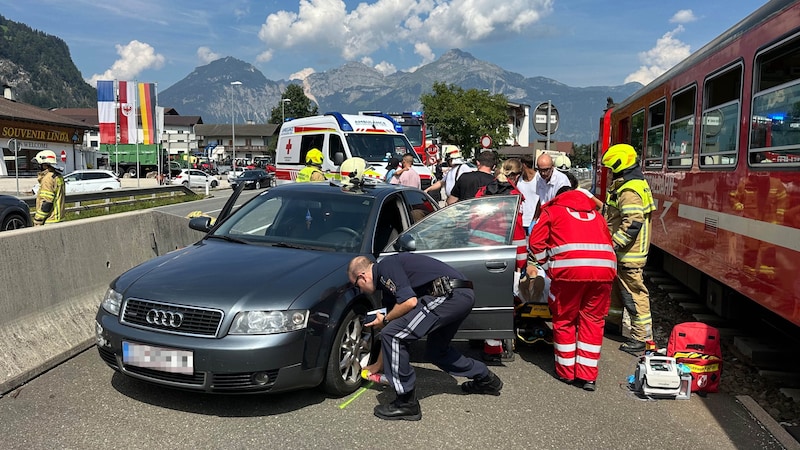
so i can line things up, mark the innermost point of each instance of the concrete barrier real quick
(53, 278)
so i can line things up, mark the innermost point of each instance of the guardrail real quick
(114, 197)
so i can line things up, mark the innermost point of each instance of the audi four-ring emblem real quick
(166, 318)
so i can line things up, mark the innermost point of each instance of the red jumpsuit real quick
(572, 243)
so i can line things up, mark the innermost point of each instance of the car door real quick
(450, 236)
(73, 183)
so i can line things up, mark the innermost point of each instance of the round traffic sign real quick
(63, 156)
(540, 119)
(486, 141)
(432, 149)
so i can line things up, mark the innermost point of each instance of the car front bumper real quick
(231, 364)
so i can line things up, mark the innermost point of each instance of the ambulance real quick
(340, 137)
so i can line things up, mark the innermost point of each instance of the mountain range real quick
(357, 87)
(39, 68)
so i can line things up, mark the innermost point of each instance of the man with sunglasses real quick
(424, 297)
(549, 180)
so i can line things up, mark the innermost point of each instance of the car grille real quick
(196, 379)
(108, 357)
(196, 321)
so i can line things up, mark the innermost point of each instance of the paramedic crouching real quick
(424, 297)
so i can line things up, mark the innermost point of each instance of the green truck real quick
(123, 158)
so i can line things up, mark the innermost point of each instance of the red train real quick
(719, 142)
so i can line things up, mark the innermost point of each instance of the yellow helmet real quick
(619, 157)
(314, 156)
(46, 157)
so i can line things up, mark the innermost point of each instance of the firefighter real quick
(629, 209)
(50, 198)
(572, 243)
(313, 169)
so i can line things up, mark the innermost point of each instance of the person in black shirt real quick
(468, 184)
(423, 297)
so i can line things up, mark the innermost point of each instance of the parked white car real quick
(88, 181)
(194, 178)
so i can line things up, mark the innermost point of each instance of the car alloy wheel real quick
(351, 348)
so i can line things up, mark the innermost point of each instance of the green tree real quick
(582, 155)
(461, 117)
(298, 105)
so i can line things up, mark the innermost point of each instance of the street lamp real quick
(233, 126)
(283, 103)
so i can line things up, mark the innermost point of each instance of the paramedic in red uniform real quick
(572, 243)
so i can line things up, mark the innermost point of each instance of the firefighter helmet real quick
(314, 156)
(562, 163)
(46, 157)
(619, 157)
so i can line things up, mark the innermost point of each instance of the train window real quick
(637, 131)
(775, 125)
(681, 129)
(654, 151)
(719, 128)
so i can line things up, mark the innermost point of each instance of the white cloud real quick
(683, 16)
(667, 52)
(385, 68)
(205, 55)
(327, 26)
(302, 74)
(424, 50)
(134, 58)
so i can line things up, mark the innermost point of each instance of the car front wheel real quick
(351, 348)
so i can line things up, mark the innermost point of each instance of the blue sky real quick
(576, 42)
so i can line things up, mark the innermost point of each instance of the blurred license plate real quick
(158, 358)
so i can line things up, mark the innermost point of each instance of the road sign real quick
(540, 118)
(486, 141)
(63, 156)
(432, 149)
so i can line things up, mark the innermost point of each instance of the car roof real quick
(376, 190)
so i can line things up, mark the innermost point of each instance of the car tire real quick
(13, 222)
(132, 172)
(213, 184)
(258, 184)
(351, 345)
(185, 184)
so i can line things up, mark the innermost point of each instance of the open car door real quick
(457, 235)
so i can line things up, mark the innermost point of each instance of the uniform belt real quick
(443, 286)
(458, 284)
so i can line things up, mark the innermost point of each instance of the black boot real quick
(404, 407)
(489, 384)
(633, 347)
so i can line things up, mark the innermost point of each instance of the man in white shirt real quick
(527, 185)
(550, 180)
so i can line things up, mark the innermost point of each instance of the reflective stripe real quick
(565, 361)
(589, 347)
(541, 255)
(582, 262)
(584, 361)
(569, 247)
(518, 242)
(564, 347)
(522, 257)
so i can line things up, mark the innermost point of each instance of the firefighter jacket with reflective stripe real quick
(628, 212)
(571, 240)
(310, 173)
(50, 198)
(492, 231)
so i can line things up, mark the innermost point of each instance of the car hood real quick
(225, 275)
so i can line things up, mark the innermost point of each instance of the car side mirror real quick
(338, 158)
(405, 243)
(200, 224)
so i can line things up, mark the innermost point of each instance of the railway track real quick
(761, 352)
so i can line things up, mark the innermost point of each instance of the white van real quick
(339, 137)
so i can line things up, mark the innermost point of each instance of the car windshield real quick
(333, 222)
(379, 147)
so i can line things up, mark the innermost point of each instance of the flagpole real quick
(135, 121)
(158, 134)
(116, 120)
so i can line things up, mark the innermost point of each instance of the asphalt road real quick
(83, 404)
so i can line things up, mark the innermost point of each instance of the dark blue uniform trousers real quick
(438, 318)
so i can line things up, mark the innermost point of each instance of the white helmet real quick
(562, 163)
(46, 157)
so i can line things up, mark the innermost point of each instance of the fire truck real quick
(413, 124)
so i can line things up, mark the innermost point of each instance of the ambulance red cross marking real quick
(288, 146)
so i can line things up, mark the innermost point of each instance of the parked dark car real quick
(14, 213)
(284, 315)
(253, 179)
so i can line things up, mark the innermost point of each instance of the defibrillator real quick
(658, 376)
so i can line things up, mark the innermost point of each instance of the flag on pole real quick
(147, 109)
(105, 112)
(127, 113)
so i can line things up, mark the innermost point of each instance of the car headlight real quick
(112, 301)
(269, 322)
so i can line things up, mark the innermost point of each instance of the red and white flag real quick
(127, 113)
(106, 116)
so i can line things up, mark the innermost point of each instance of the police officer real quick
(630, 206)
(312, 171)
(50, 197)
(424, 297)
